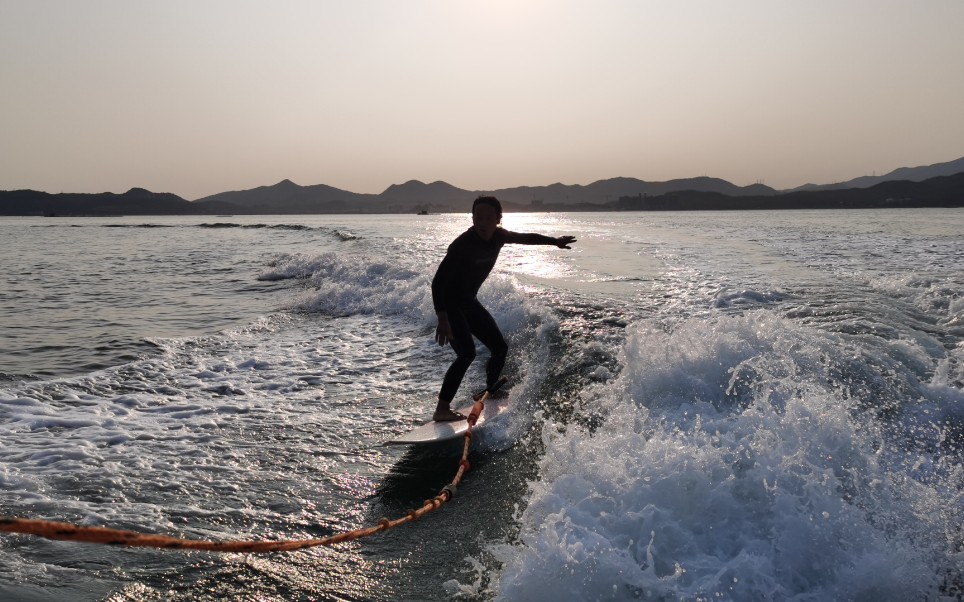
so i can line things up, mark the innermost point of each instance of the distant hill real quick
(418, 195)
(913, 174)
(135, 201)
(286, 197)
(607, 191)
(942, 191)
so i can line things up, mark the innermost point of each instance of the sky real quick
(197, 97)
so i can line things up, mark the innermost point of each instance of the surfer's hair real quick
(488, 200)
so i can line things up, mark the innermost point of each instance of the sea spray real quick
(257, 408)
(729, 467)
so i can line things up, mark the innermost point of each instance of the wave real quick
(746, 298)
(8, 377)
(219, 225)
(339, 233)
(932, 296)
(743, 457)
(343, 285)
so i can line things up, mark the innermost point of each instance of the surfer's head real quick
(490, 201)
(486, 216)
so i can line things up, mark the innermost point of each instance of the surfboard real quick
(436, 432)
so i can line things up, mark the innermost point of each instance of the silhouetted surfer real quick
(466, 265)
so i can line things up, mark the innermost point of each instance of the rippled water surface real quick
(715, 406)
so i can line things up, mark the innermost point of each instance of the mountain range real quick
(288, 197)
(918, 185)
(912, 174)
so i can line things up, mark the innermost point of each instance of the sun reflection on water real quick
(538, 261)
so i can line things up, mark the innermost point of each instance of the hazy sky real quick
(199, 97)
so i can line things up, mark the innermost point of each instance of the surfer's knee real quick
(466, 354)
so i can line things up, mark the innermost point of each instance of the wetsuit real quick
(466, 265)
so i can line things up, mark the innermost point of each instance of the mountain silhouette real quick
(901, 187)
(607, 191)
(136, 201)
(286, 197)
(912, 174)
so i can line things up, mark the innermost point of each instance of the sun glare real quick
(503, 12)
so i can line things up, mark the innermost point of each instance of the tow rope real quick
(116, 537)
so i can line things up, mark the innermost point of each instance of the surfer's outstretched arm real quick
(531, 238)
(563, 242)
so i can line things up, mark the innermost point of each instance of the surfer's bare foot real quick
(446, 415)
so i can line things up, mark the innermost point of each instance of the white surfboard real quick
(435, 432)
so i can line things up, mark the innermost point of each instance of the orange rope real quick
(116, 537)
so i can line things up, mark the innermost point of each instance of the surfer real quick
(468, 262)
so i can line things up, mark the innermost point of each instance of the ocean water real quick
(705, 406)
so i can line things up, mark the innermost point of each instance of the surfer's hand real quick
(563, 242)
(443, 334)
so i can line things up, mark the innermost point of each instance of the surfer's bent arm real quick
(443, 280)
(443, 332)
(531, 238)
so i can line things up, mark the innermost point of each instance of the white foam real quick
(341, 284)
(727, 468)
(110, 447)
